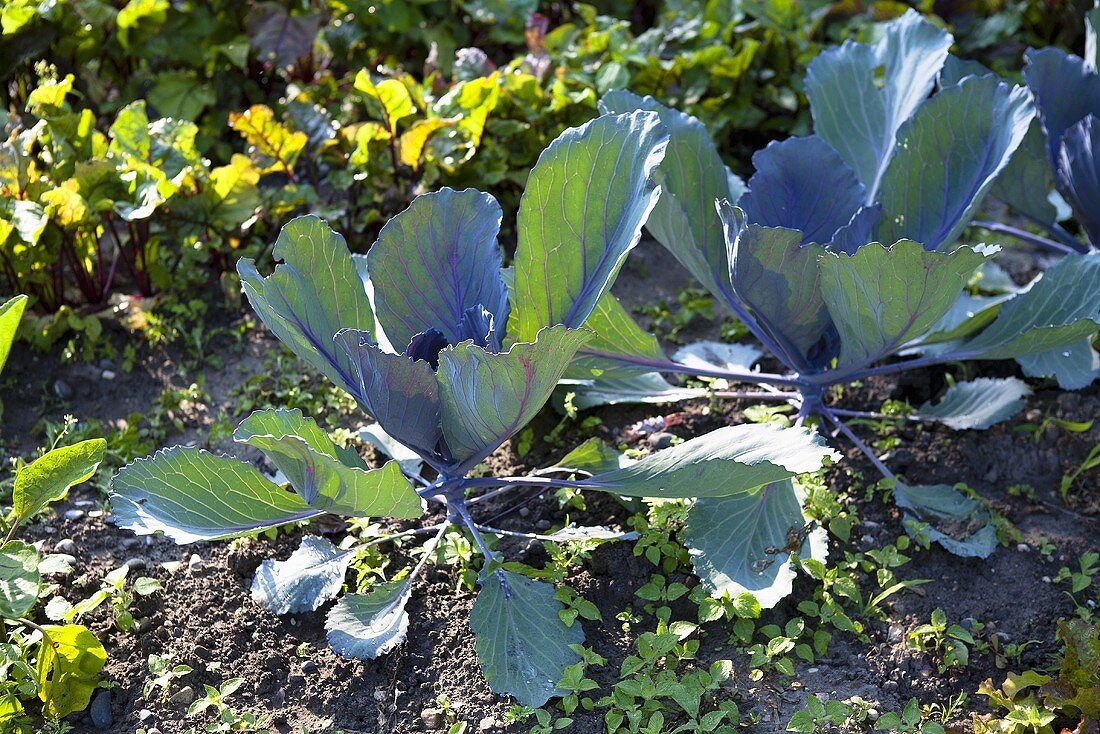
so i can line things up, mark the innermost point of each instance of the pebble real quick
(487, 724)
(811, 671)
(109, 375)
(432, 718)
(524, 511)
(542, 525)
(144, 624)
(171, 566)
(62, 389)
(194, 562)
(659, 441)
(73, 514)
(183, 697)
(1023, 547)
(895, 634)
(100, 710)
(873, 714)
(1046, 579)
(309, 667)
(890, 685)
(145, 715)
(65, 545)
(279, 699)
(135, 564)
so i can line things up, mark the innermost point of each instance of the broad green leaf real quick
(314, 293)
(311, 576)
(28, 220)
(313, 465)
(130, 132)
(391, 95)
(275, 146)
(648, 387)
(974, 127)
(727, 461)
(967, 316)
(692, 177)
(779, 280)
(48, 478)
(743, 542)
(955, 521)
(1075, 366)
(522, 644)
(614, 332)
(70, 659)
(234, 196)
(591, 457)
(977, 404)
(486, 398)
(10, 314)
(136, 13)
(364, 626)
(882, 297)
(181, 95)
(581, 213)
(19, 578)
(861, 95)
(436, 260)
(192, 495)
(49, 95)
(1059, 310)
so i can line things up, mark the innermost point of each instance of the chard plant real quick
(425, 334)
(795, 255)
(57, 664)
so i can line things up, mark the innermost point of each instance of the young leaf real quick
(312, 463)
(743, 542)
(860, 95)
(862, 294)
(692, 177)
(364, 626)
(974, 127)
(191, 495)
(391, 95)
(581, 213)
(19, 578)
(10, 314)
(435, 261)
(49, 477)
(522, 644)
(727, 461)
(485, 398)
(802, 184)
(956, 522)
(313, 574)
(313, 294)
(977, 404)
(69, 661)
(399, 392)
(778, 279)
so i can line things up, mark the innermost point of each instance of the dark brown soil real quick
(205, 617)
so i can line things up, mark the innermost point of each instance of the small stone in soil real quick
(487, 724)
(524, 511)
(144, 624)
(183, 697)
(100, 711)
(432, 718)
(194, 562)
(135, 564)
(1023, 547)
(659, 441)
(109, 375)
(145, 715)
(65, 545)
(309, 667)
(62, 389)
(73, 514)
